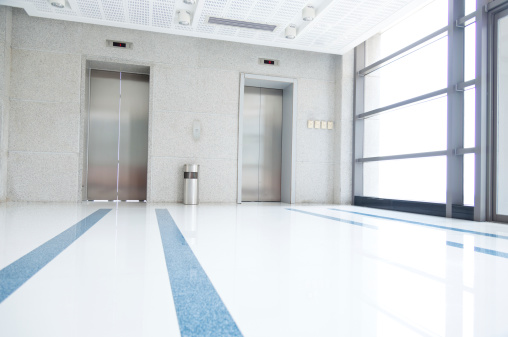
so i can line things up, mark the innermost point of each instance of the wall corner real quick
(343, 142)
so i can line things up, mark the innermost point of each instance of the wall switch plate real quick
(323, 125)
(330, 125)
(317, 125)
(310, 124)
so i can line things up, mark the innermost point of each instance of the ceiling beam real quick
(196, 15)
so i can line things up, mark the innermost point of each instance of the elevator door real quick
(262, 144)
(118, 136)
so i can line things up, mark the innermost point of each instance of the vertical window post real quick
(455, 164)
(482, 199)
(358, 128)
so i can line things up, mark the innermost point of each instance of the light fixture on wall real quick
(308, 13)
(190, 2)
(57, 3)
(184, 17)
(291, 31)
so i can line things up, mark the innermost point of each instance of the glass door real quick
(501, 117)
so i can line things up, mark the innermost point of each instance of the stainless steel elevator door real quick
(133, 147)
(103, 135)
(118, 136)
(262, 144)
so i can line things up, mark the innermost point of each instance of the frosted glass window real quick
(470, 6)
(502, 118)
(416, 179)
(469, 117)
(469, 179)
(415, 128)
(420, 24)
(418, 73)
(470, 52)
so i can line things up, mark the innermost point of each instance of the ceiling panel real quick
(339, 24)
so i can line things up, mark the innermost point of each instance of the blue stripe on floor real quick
(199, 308)
(426, 224)
(454, 244)
(354, 223)
(449, 243)
(479, 250)
(491, 252)
(17, 273)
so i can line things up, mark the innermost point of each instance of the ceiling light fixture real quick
(184, 18)
(190, 2)
(241, 24)
(308, 13)
(58, 3)
(291, 32)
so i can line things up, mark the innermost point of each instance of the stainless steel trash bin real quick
(190, 184)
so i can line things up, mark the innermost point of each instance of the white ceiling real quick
(339, 25)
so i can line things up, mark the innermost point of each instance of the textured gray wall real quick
(191, 79)
(5, 71)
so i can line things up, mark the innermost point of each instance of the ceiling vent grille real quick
(241, 24)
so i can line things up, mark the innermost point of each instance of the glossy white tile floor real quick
(279, 272)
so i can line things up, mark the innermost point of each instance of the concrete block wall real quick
(191, 79)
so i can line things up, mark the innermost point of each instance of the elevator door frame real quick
(107, 64)
(129, 159)
(289, 118)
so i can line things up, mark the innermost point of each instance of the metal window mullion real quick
(463, 20)
(359, 108)
(463, 151)
(482, 129)
(403, 103)
(462, 86)
(399, 54)
(455, 120)
(403, 156)
(489, 6)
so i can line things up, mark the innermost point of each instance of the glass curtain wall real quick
(415, 111)
(501, 117)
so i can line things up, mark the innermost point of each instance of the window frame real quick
(457, 21)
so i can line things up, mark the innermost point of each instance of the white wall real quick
(5, 70)
(191, 79)
(343, 145)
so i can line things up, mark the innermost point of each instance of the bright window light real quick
(407, 130)
(418, 73)
(427, 20)
(416, 179)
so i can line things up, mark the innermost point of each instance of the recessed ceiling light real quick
(58, 3)
(291, 32)
(190, 2)
(184, 18)
(308, 13)
(241, 24)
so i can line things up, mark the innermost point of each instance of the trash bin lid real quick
(191, 168)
